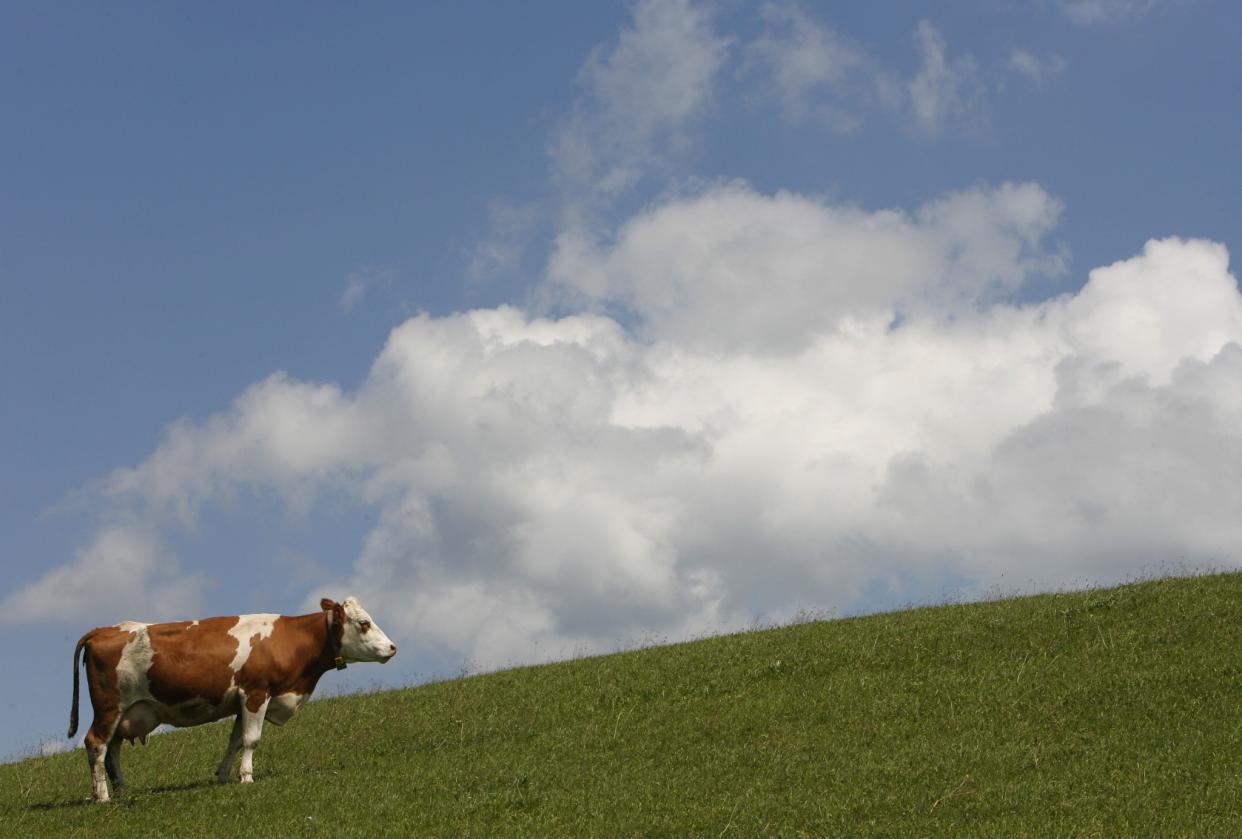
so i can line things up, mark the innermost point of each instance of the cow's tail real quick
(73, 710)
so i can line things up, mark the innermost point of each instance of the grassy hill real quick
(1105, 713)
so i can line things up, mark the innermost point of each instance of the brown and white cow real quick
(259, 667)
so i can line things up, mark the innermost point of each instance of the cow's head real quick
(360, 638)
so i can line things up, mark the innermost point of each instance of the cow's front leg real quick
(251, 717)
(235, 741)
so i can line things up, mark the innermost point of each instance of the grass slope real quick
(1105, 713)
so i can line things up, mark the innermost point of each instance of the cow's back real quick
(191, 660)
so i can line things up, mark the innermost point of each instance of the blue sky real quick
(549, 328)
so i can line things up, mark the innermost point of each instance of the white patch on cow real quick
(282, 707)
(192, 624)
(247, 627)
(135, 663)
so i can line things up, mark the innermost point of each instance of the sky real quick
(549, 329)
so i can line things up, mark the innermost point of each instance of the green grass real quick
(1104, 713)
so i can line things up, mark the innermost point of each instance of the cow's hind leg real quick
(112, 763)
(97, 740)
(235, 742)
(253, 711)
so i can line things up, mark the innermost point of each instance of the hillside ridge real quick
(1108, 712)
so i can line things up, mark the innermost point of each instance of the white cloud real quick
(799, 59)
(360, 283)
(1103, 12)
(944, 90)
(816, 73)
(289, 435)
(660, 72)
(690, 269)
(124, 571)
(766, 438)
(1144, 317)
(511, 225)
(355, 288)
(641, 96)
(1034, 69)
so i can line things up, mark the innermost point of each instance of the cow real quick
(259, 667)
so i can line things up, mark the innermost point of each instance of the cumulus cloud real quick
(763, 404)
(280, 433)
(690, 270)
(125, 570)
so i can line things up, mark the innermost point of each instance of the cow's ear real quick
(326, 604)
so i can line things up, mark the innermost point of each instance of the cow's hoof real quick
(247, 779)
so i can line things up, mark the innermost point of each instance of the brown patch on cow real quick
(103, 654)
(291, 659)
(104, 648)
(191, 660)
(337, 620)
(337, 626)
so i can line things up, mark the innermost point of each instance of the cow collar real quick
(338, 660)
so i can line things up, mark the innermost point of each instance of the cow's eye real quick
(365, 626)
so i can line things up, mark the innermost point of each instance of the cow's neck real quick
(321, 639)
